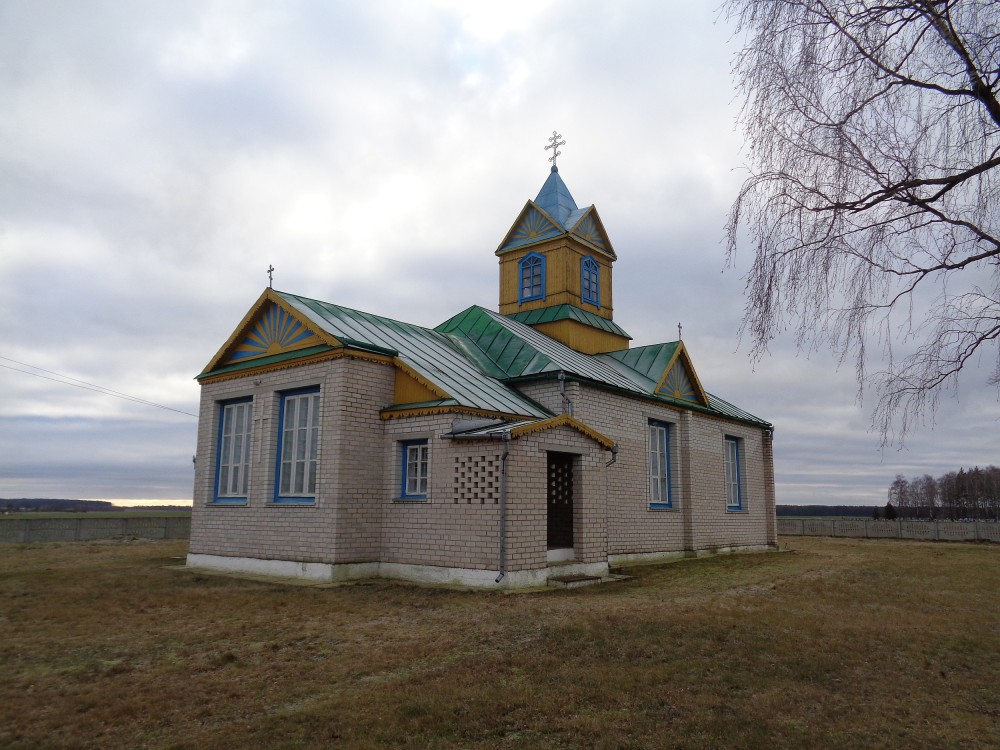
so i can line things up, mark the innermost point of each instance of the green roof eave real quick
(269, 360)
(368, 347)
(421, 405)
(272, 359)
(568, 312)
(721, 408)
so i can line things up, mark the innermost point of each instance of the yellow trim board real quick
(423, 411)
(564, 420)
(379, 359)
(409, 390)
(430, 385)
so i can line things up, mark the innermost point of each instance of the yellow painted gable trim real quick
(682, 355)
(250, 372)
(430, 385)
(250, 319)
(423, 411)
(564, 420)
(409, 390)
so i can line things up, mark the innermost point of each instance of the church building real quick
(501, 449)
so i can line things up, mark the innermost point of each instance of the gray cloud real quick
(157, 157)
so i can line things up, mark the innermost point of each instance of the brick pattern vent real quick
(477, 479)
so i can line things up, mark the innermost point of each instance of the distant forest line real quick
(967, 493)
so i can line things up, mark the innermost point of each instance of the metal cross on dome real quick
(554, 145)
(270, 275)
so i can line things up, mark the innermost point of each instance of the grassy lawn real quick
(832, 643)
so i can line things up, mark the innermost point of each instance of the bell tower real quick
(556, 269)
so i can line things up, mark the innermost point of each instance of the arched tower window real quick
(590, 281)
(532, 274)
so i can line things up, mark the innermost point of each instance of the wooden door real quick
(560, 500)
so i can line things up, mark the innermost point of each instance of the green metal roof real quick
(510, 349)
(433, 354)
(518, 350)
(477, 356)
(568, 312)
(727, 409)
(650, 360)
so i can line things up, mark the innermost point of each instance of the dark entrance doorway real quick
(560, 500)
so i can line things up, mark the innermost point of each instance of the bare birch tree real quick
(873, 202)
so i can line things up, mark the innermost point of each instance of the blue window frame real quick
(734, 474)
(660, 490)
(298, 447)
(531, 271)
(416, 470)
(590, 281)
(232, 466)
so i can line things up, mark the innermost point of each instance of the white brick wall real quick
(358, 516)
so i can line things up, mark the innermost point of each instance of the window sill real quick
(293, 503)
(736, 510)
(235, 503)
(409, 500)
(661, 506)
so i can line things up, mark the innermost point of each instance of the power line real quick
(77, 383)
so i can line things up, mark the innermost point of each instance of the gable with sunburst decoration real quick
(275, 331)
(531, 226)
(590, 230)
(680, 381)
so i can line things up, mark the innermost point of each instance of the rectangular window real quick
(659, 465)
(298, 446)
(233, 471)
(416, 469)
(734, 478)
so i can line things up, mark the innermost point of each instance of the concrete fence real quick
(84, 529)
(944, 531)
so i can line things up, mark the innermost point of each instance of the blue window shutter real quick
(590, 281)
(531, 277)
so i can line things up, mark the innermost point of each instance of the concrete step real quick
(573, 581)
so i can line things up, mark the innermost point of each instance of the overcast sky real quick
(156, 157)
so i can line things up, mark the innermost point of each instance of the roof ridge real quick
(357, 311)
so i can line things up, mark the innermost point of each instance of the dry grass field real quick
(831, 643)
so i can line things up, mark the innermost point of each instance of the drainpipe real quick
(503, 507)
(607, 496)
(567, 405)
